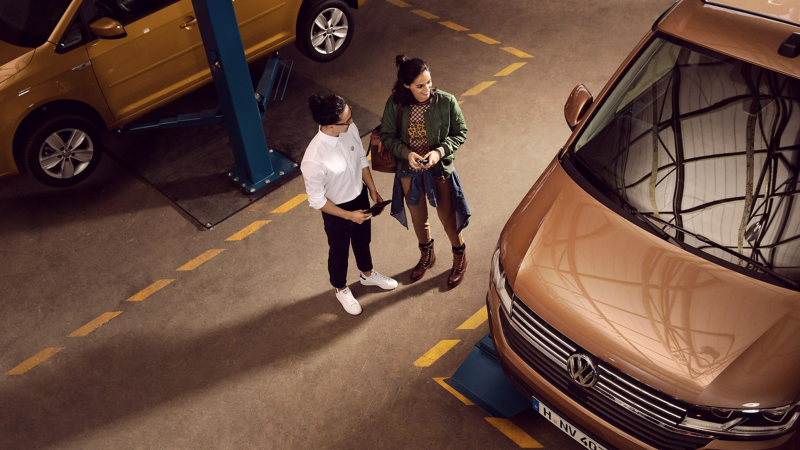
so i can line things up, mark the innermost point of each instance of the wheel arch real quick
(51, 108)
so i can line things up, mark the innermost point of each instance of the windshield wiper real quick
(760, 266)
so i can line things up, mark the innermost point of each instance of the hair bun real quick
(315, 101)
(400, 59)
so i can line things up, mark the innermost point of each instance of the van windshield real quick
(708, 143)
(28, 23)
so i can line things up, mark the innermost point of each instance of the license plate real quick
(565, 426)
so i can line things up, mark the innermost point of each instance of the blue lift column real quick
(256, 165)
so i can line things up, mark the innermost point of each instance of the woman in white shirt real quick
(337, 178)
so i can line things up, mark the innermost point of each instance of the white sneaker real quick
(347, 300)
(379, 280)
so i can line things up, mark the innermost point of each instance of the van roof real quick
(784, 10)
(751, 35)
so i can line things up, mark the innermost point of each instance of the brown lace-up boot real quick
(459, 266)
(426, 261)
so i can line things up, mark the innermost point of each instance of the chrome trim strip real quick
(562, 362)
(531, 328)
(641, 400)
(615, 376)
(571, 348)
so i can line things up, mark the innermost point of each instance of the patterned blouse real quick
(417, 136)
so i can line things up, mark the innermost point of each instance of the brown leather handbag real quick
(382, 159)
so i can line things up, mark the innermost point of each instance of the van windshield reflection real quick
(28, 23)
(708, 143)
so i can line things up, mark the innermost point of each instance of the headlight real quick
(742, 422)
(501, 285)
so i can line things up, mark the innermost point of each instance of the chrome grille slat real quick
(561, 361)
(529, 326)
(616, 395)
(611, 377)
(543, 328)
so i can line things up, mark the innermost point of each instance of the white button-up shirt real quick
(332, 167)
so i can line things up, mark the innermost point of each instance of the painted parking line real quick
(478, 89)
(514, 433)
(197, 262)
(515, 52)
(455, 393)
(399, 3)
(286, 207)
(453, 26)
(475, 321)
(425, 14)
(436, 352)
(248, 230)
(509, 69)
(95, 324)
(149, 290)
(483, 38)
(35, 361)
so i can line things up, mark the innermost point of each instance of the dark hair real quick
(326, 109)
(408, 69)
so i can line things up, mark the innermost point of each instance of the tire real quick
(330, 42)
(62, 150)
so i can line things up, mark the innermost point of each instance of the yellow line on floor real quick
(516, 52)
(290, 204)
(453, 26)
(460, 102)
(475, 321)
(425, 14)
(248, 230)
(514, 433)
(399, 3)
(483, 38)
(195, 263)
(35, 361)
(149, 290)
(449, 389)
(435, 353)
(509, 69)
(95, 324)
(478, 89)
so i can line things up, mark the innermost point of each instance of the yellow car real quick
(69, 68)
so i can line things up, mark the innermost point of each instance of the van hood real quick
(673, 320)
(13, 59)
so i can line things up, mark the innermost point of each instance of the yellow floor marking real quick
(514, 433)
(399, 3)
(463, 399)
(475, 321)
(483, 38)
(95, 324)
(516, 52)
(460, 102)
(478, 89)
(425, 14)
(195, 263)
(509, 69)
(453, 26)
(248, 230)
(435, 353)
(290, 204)
(149, 290)
(35, 361)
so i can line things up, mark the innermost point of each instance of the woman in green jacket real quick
(424, 139)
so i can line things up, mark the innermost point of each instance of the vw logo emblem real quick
(581, 370)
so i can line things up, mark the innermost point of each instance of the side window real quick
(129, 11)
(73, 37)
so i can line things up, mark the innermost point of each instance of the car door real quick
(161, 55)
(265, 23)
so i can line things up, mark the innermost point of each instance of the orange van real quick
(644, 294)
(69, 68)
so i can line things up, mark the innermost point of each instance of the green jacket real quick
(444, 125)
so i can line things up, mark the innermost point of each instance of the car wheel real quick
(324, 29)
(62, 150)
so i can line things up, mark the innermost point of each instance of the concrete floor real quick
(251, 349)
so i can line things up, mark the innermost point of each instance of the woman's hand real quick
(359, 216)
(376, 198)
(433, 157)
(412, 161)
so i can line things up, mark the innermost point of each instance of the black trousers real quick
(343, 233)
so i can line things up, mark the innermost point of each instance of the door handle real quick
(190, 22)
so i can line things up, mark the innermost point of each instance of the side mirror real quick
(107, 28)
(577, 104)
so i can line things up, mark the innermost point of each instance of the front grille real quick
(629, 405)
